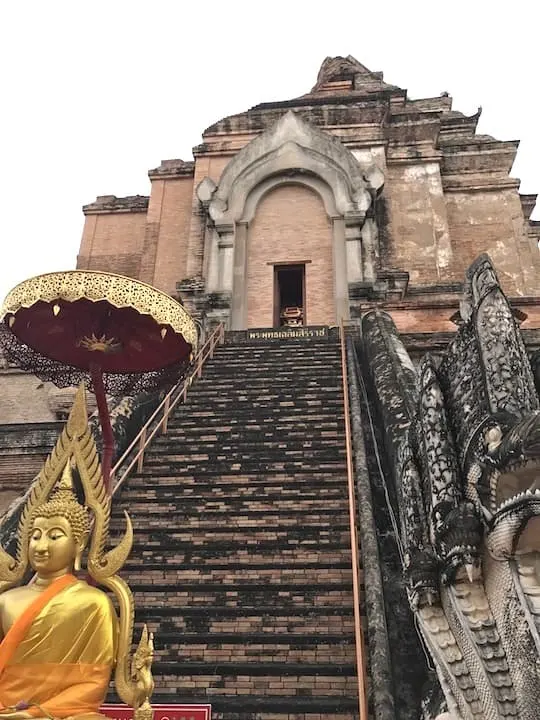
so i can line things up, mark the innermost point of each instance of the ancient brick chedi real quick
(356, 203)
(371, 195)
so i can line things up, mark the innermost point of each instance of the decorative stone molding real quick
(207, 308)
(291, 152)
(292, 144)
(172, 168)
(113, 204)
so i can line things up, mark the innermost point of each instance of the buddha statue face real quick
(52, 548)
(58, 534)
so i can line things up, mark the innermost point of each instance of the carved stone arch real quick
(293, 178)
(292, 151)
(291, 144)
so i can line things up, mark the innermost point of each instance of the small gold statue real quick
(60, 637)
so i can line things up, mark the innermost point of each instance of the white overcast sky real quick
(96, 92)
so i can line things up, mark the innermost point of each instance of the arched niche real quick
(292, 151)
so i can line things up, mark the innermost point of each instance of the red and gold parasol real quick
(118, 335)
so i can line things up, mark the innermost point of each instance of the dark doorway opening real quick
(289, 295)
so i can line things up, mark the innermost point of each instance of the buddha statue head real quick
(59, 530)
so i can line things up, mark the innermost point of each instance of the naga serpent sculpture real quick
(463, 433)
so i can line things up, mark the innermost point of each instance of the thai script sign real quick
(287, 332)
(161, 712)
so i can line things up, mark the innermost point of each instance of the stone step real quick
(290, 375)
(219, 556)
(253, 432)
(256, 446)
(272, 628)
(329, 377)
(315, 423)
(320, 361)
(248, 703)
(278, 389)
(206, 463)
(291, 345)
(212, 456)
(315, 350)
(230, 480)
(188, 416)
(241, 504)
(169, 496)
(152, 513)
(220, 406)
(239, 648)
(239, 548)
(267, 518)
(245, 527)
(180, 522)
(262, 401)
(246, 605)
(159, 600)
(172, 575)
(320, 358)
(307, 413)
(317, 680)
(246, 522)
(205, 421)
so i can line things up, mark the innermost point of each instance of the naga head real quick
(504, 483)
(459, 538)
(421, 577)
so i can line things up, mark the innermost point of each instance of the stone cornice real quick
(407, 128)
(112, 204)
(455, 123)
(528, 203)
(172, 168)
(440, 103)
(257, 120)
(422, 152)
(349, 98)
(474, 182)
(413, 301)
(477, 154)
(534, 230)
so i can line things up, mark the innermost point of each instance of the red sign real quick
(161, 712)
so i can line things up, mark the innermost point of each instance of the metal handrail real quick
(358, 633)
(166, 406)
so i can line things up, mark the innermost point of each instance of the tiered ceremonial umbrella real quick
(118, 335)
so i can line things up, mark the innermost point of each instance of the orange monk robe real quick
(64, 661)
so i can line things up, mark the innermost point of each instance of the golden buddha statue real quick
(60, 638)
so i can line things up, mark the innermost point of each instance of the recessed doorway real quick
(289, 295)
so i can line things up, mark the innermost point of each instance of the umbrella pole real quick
(105, 422)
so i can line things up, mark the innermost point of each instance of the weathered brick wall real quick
(113, 242)
(171, 213)
(24, 398)
(23, 449)
(290, 226)
(493, 222)
(435, 236)
(417, 234)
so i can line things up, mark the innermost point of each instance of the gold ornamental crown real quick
(63, 503)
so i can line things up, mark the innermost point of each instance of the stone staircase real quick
(242, 562)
